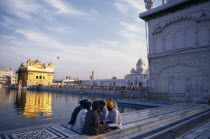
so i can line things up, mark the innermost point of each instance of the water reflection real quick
(25, 108)
(32, 105)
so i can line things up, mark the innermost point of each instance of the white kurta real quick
(103, 114)
(80, 120)
(115, 117)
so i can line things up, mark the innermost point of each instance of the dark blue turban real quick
(82, 102)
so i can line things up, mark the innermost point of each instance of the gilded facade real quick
(35, 73)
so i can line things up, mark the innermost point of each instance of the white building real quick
(138, 77)
(63, 81)
(7, 76)
(105, 82)
(179, 48)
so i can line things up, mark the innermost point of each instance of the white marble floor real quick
(200, 132)
(64, 131)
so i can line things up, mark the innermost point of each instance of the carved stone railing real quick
(149, 4)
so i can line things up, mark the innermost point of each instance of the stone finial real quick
(149, 4)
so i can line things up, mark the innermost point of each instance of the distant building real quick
(138, 78)
(64, 81)
(104, 82)
(35, 73)
(7, 76)
(92, 77)
(179, 49)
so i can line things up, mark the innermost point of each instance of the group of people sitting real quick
(99, 120)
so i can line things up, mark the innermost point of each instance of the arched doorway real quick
(182, 82)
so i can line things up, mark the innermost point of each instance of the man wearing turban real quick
(114, 117)
(76, 111)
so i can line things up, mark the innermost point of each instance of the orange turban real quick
(110, 104)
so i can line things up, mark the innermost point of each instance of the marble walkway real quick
(200, 132)
(64, 131)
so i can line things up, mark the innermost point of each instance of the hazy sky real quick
(106, 36)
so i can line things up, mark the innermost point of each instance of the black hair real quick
(87, 105)
(102, 102)
(95, 105)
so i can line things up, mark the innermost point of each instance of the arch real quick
(190, 37)
(158, 43)
(187, 80)
(203, 32)
(179, 40)
(20, 84)
(169, 42)
(178, 19)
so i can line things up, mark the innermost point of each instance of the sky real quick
(106, 36)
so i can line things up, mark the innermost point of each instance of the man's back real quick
(74, 114)
(91, 126)
(80, 120)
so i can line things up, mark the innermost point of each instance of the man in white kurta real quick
(114, 116)
(80, 120)
(103, 112)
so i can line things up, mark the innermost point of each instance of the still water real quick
(25, 108)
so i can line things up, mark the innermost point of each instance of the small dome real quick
(133, 71)
(29, 60)
(22, 65)
(140, 62)
(37, 61)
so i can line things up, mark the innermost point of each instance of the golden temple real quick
(35, 73)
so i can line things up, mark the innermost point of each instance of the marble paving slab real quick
(52, 132)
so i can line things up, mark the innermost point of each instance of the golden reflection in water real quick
(38, 104)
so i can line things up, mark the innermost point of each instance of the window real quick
(40, 77)
(43, 77)
(37, 77)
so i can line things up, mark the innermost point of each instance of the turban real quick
(82, 102)
(110, 104)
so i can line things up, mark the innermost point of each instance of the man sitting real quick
(103, 112)
(91, 126)
(114, 117)
(76, 111)
(80, 120)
